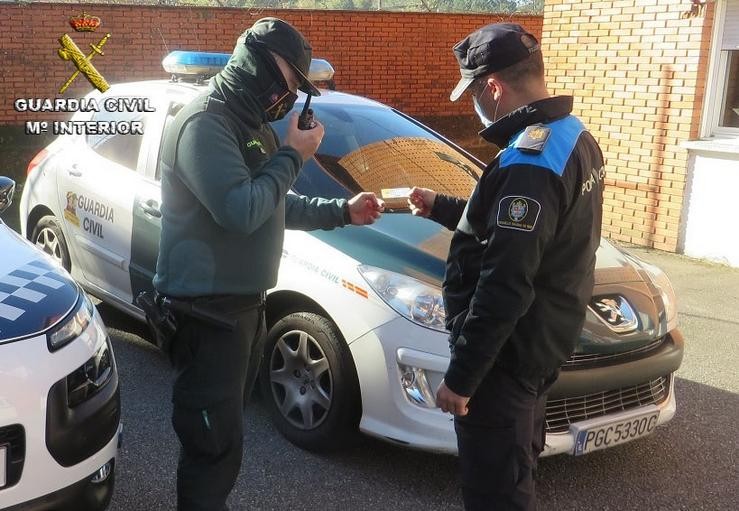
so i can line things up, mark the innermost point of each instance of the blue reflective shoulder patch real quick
(564, 135)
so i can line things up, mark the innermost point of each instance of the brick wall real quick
(403, 59)
(637, 69)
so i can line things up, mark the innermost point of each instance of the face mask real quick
(277, 102)
(278, 99)
(481, 114)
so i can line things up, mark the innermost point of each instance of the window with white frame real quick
(729, 114)
(723, 95)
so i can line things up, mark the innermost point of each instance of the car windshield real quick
(370, 148)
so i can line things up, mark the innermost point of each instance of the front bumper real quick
(84, 495)
(49, 472)
(388, 413)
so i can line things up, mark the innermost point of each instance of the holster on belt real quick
(197, 311)
(162, 313)
(161, 321)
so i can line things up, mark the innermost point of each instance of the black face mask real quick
(278, 99)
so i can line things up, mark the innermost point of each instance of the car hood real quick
(35, 293)
(418, 247)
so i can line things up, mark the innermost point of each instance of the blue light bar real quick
(202, 64)
(194, 63)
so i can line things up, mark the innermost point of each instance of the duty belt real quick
(194, 308)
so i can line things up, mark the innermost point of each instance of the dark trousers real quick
(214, 368)
(499, 441)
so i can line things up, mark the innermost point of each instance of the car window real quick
(171, 112)
(120, 148)
(369, 148)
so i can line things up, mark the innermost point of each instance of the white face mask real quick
(478, 110)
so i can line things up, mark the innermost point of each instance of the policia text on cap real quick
(224, 210)
(520, 267)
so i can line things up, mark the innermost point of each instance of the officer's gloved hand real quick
(305, 142)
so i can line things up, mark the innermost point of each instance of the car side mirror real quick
(7, 187)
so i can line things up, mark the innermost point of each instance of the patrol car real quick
(59, 398)
(356, 321)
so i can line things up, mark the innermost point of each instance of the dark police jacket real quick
(520, 269)
(225, 201)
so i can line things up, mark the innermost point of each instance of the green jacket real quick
(225, 201)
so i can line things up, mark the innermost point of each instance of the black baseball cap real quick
(490, 49)
(285, 40)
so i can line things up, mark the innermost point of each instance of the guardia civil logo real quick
(255, 143)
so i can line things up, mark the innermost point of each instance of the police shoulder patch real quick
(533, 139)
(518, 213)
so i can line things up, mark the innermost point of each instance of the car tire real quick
(48, 236)
(309, 383)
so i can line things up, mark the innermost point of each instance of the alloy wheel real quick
(48, 241)
(301, 380)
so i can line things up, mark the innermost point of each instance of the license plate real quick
(3, 459)
(598, 434)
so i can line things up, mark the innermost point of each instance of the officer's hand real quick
(449, 402)
(365, 208)
(421, 200)
(303, 141)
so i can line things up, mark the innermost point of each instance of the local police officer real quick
(225, 206)
(520, 269)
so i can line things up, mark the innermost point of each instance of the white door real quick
(147, 215)
(97, 190)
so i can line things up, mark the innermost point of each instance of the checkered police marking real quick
(25, 287)
(518, 213)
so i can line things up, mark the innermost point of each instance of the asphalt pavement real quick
(689, 464)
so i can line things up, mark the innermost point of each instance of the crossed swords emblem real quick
(70, 51)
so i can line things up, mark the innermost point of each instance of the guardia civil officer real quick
(225, 206)
(520, 268)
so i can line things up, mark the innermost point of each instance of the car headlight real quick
(73, 326)
(411, 298)
(89, 378)
(667, 293)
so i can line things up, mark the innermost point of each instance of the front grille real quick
(563, 412)
(580, 361)
(13, 438)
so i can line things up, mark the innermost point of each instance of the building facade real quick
(656, 82)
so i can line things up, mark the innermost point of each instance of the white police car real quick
(59, 397)
(357, 337)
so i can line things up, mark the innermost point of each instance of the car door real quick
(147, 216)
(97, 190)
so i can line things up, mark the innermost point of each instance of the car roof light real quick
(194, 64)
(320, 70)
(197, 65)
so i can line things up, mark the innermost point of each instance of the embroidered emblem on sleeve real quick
(518, 213)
